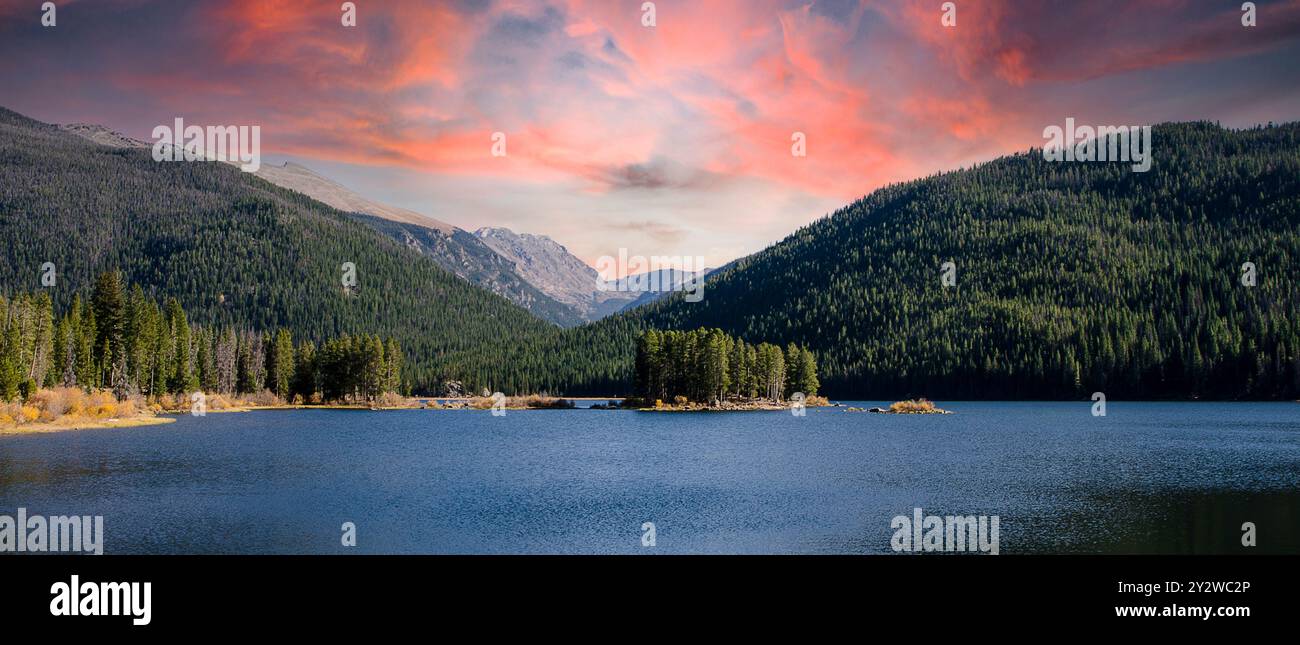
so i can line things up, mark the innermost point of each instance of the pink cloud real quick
(592, 101)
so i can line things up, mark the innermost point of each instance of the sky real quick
(670, 139)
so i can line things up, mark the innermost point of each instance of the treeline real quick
(119, 339)
(708, 366)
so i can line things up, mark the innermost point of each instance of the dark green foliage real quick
(352, 367)
(159, 352)
(10, 362)
(109, 305)
(280, 365)
(1071, 278)
(708, 366)
(306, 374)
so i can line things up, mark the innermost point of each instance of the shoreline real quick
(94, 424)
(706, 408)
(165, 417)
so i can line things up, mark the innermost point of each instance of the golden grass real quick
(182, 403)
(912, 406)
(83, 424)
(67, 407)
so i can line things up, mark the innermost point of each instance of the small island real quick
(911, 406)
(709, 370)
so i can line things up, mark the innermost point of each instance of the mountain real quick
(553, 270)
(452, 248)
(669, 280)
(463, 254)
(550, 267)
(1071, 278)
(237, 250)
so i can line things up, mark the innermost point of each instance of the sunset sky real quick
(673, 139)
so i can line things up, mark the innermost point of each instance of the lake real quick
(1146, 478)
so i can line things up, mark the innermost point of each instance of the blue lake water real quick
(1148, 477)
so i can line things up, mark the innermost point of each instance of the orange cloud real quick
(713, 92)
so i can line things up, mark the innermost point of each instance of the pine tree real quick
(205, 360)
(86, 333)
(108, 303)
(372, 365)
(281, 361)
(183, 379)
(306, 371)
(10, 370)
(393, 366)
(793, 370)
(808, 373)
(38, 370)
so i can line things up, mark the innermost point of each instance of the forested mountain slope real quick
(235, 250)
(1070, 278)
(452, 248)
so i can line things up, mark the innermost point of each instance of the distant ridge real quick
(452, 248)
(550, 267)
